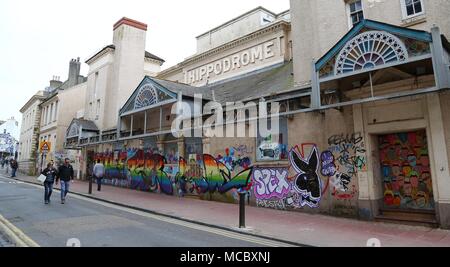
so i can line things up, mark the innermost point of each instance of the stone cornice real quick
(154, 61)
(100, 54)
(284, 25)
(31, 101)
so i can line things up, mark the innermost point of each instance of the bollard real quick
(242, 210)
(90, 185)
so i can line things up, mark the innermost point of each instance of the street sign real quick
(45, 146)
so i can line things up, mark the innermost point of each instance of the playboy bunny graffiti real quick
(307, 181)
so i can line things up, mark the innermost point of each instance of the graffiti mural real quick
(146, 171)
(337, 181)
(233, 161)
(307, 181)
(405, 168)
(271, 183)
(347, 150)
(296, 185)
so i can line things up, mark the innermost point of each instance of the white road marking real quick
(225, 233)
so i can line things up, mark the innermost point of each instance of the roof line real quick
(222, 47)
(237, 18)
(111, 46)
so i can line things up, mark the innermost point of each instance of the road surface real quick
(92, 223)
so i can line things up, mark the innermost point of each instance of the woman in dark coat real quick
(50, 172)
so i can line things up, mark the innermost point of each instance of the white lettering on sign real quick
(233, 62)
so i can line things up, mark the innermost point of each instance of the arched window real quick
(147, 96)
(368, 50)
(73, 131)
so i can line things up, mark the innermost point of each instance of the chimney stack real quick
(128, 68)
(74, 72)
(55, 83)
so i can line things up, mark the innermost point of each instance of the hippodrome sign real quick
(242, 59)
(45, 146)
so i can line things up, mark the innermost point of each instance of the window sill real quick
(412, 21)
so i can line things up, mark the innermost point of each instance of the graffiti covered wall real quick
(146, 171)
(309, 177)
(341, 162)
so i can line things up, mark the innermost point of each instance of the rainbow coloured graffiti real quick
(146, 171)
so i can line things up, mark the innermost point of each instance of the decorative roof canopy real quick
(370, 44)
(148, 94)
(85, 125)
(74, 130)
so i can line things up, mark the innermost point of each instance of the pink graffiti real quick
(271, 183)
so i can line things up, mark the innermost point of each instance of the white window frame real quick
(405, 12)
(349, 13)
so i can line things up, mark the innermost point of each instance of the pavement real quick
(295, 227)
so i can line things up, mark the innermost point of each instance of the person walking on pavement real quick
(65, 174)
(50, 172)
(99, 172)
(14, 167)
(7, 165)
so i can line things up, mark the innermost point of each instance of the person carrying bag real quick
(50, 173)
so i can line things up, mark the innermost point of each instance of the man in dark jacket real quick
(65, 173)
(14, 167)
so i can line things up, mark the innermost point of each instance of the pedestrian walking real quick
(14, 167)
(65, 174)
(50, 173)
(7, 166)
(2, 160)
(99, 172)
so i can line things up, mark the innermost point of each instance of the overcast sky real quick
(39, 37)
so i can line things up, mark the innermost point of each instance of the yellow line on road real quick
(15, 235)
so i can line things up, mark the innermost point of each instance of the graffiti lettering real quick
(346, 150)
(272, 204)
(339, 181)
(327, 162)
(271, 183)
